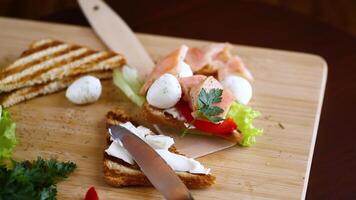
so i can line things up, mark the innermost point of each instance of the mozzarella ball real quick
(184, 70)
(239, 87)
(165, 92)
(86, 89)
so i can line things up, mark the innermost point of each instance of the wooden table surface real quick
(333, 174)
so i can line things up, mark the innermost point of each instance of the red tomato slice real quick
(91, 194)
(224, 128)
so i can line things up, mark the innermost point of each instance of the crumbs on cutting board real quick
(267, 117)
(281, 125)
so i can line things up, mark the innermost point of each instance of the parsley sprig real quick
(33, 180)
(206, 109)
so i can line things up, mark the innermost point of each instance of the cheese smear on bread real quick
(161, 144)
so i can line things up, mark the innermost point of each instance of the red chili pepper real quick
(224, 128)
(91, 194)
(185, 110)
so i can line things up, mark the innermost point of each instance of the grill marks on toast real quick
(69, 62)
(40, 45)
(59, 63)
(67, 56)
(44, 42)
(41, 57)
(22, 94)
(48, 66)
(36, 52)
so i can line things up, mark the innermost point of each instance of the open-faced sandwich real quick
(120, 169)
(205, 89)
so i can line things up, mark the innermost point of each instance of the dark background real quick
(326, 28)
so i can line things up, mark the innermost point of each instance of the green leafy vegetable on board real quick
(206, 109)
(33, 180)
(130, 90)
(7, 135)
(243, 116)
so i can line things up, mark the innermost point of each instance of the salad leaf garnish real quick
(244, 116)
(129, 90)
(206, 109)
(7, 135)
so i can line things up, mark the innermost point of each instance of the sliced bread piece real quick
(52, 60)
(23, 94)
(119, 173)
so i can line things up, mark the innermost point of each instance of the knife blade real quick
(162, 177)
(117, 35)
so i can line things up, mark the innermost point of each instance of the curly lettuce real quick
(127, 81)
(243, 116)
(7, 135)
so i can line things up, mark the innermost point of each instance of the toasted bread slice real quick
(118, 173)
(158, 116)
(51, 60)
(17, 96)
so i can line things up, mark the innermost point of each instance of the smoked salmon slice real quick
(197, 58)
(168, 64)
(187, 83)
(234, 66)
(208, 84)
(218, 57)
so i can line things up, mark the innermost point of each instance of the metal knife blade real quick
(117, 35)
(162, 177)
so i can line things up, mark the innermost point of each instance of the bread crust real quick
(118, 173)
(158, 116)
(48, 66)
(51, 60)
(23, 94)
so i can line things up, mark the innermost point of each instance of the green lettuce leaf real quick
(131, 91)
(7, 135)
(243, 116)
(131, 77)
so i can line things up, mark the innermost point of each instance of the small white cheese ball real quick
(165, 92)
(239, 87)
(86, 89)
(184, 70)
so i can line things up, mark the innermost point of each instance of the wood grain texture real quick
(288, 91)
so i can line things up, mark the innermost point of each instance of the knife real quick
(162, 177)
(98, 13)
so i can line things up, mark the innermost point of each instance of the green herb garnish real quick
(33, 180)
(206, 109)
(7, 135)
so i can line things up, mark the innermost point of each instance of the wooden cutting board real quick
(288, 90)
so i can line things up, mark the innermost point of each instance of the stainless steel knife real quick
(162, 177)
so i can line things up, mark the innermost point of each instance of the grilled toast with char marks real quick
(49, 65)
